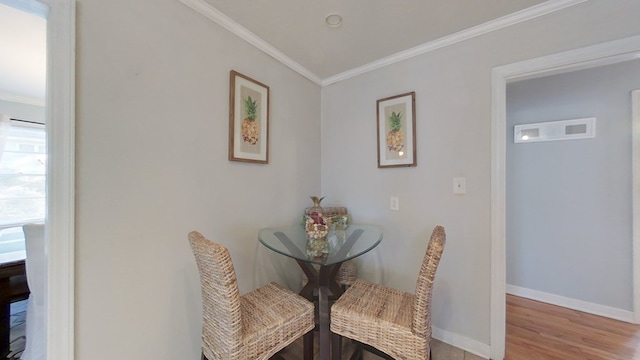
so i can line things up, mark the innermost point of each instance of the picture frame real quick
(248, 119)
(396, 122)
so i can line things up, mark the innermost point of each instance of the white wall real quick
(453, 106)
(152, 103)
(569, 202)
(152, 135)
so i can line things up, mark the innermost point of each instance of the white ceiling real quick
(293, 30)
(371, 29)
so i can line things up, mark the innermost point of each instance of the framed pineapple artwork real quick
(397, 131)
(248, 119)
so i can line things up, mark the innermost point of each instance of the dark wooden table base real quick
(324, 280)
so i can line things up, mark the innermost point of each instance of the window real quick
(22, 179)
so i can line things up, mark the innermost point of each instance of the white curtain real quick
(36, 265)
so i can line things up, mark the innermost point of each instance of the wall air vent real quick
(555, 130)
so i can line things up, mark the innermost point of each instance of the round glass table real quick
(343, 245)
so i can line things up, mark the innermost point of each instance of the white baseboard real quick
(591, 308)
(462, 342)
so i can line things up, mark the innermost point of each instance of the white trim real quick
(635, 139)
(470, 33)
(575, 304)
(592, 56)
(462, 342)
(606, 53)
(498, 214)
(221, 19)
(60, 178)
(586, 63)
(547, 7)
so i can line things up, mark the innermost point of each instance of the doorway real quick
(23, 155)
(608, 53)
(569, 201)
(60, 118)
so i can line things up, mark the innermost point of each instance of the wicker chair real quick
(256, 325)
(391, 323)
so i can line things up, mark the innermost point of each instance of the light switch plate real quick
(394, 203)
(459, 186)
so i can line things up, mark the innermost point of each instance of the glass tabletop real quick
(343, 245)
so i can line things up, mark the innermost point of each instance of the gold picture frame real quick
(396, 120)
(248, 119)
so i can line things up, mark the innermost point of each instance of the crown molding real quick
(497, 24)
(214, 14)
(533, 12)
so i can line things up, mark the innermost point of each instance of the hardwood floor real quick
(537, 330)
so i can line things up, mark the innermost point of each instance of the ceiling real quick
(371, 29)
(294, 31)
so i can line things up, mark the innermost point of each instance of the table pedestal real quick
(292, 242)
(324, 280)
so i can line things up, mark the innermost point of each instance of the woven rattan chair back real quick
(421, 325)
(222, 319)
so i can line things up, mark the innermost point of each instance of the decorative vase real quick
(317, 228)
(317, 248)
(316, 205)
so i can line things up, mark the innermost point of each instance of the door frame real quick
(583, 58)
(60, 112)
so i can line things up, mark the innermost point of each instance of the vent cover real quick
(555, 130)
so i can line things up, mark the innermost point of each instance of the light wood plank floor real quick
(539, 331)
(536, 330)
